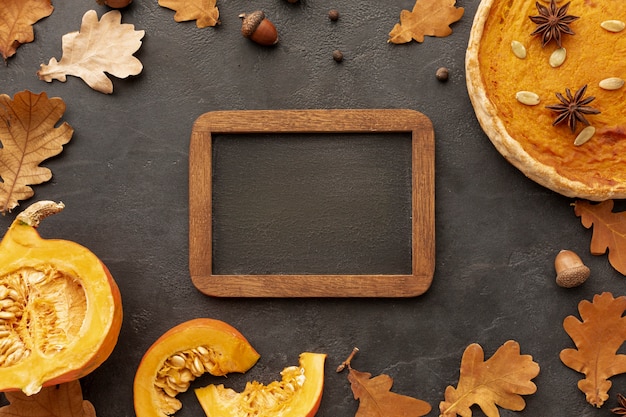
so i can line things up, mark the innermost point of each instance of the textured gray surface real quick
(123, 178)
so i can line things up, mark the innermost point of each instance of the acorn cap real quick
(573, 276)
(251, 22)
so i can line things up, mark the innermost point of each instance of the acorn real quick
(256, 27)
(570, 269)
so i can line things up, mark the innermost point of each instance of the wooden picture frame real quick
(312, 121)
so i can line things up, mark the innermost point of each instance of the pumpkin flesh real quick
(60, 310)
(182, 354)
(297, 394)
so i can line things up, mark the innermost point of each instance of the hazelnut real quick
(570, 270)
(258, 28)
(333, 15)
(442, 74)
(115, 4)
(337, 55)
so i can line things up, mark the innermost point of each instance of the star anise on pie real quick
(552, 22)
(621, 410)
(573, 108)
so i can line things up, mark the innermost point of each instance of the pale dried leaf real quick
(16, 20)
(428, 18)
(499, 381)
(64, 400)
(28, 136)
(598, 338)
(204, 12)
(100, 46)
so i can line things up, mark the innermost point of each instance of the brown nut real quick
(256, 27)
(115, 4)
(570, 270)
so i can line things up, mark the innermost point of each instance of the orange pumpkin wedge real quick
(298, 394)
(182, 354)
(60, 309)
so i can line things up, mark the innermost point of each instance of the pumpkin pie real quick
(536, 88)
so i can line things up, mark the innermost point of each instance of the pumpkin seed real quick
(519, 50)
(611, 83)
(177, 361)
(584, 135)
(613, 25)
(7, 315)
(527, 97)
(557, 57)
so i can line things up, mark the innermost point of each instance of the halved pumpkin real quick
(298, 394)
(182, 354)
(60, 309)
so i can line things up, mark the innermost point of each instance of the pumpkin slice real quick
(182, 354)
(298, 394)
(60, 309)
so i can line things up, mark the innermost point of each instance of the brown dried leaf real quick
(28, 136)
(609, 230)
(498, 381)
(598, 337)
(429, 17)
(65, 400)
(204, 12)
(16, 20)
(100, 46)
(376, 400)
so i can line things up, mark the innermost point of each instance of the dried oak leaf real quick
(428, 17)
(598, 337)
(16, 20)
(204, 12)
(376, 400)
(609, 230)
(100, 46)
(65, 400)
(29, 135)
(500, 380)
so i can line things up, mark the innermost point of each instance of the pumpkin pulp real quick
(182, 354)
(297, 394)
(60, 309)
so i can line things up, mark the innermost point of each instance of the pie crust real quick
(524, 134)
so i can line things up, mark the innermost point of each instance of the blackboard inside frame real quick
(262, 122)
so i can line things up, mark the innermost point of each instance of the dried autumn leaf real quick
(428, 18)
(65, 400)
(598, 337)
(204, 12)
(100, 46)
(376, 400)
(28, 136)
(609, 230)
(16, 20)
(498, 381)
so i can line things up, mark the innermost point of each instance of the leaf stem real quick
(346, 363)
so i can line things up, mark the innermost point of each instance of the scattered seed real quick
(519, 50)
(613, 25)
(557, 57)
(584, 135)
(527, 97)
(611, 83)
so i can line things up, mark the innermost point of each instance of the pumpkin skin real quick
(229, 350)
(278, 398)
(71, 320)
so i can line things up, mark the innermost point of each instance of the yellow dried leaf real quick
(500, 380)
(16, 20)
(598, 338)
(64, 400)
(428, 18)
(101, 46)
(28, 136)
(204, 12)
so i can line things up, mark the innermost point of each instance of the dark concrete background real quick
(123, 178)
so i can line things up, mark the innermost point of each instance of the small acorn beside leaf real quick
(256, 27)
